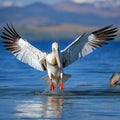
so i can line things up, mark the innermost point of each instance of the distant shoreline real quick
(53, 32)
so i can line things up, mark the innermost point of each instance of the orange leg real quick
(61, 85)
(52, 86)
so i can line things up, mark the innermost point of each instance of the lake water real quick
(87, 94)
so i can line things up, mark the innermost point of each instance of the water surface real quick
(87, 94)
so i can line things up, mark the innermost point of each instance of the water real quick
(87, 94)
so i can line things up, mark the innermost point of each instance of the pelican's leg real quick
(52, 86)
(61, 85)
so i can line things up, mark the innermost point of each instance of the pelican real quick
(55, 61)
(115, 78)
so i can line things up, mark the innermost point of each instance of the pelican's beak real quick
(58, 59)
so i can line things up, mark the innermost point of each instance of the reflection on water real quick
(51, 107)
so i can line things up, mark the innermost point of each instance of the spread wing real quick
(23, 50)
(87, 43)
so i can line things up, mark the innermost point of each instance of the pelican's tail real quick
(65, 77)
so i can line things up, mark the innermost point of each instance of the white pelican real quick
(55, 61)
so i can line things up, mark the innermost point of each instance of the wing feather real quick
(23, 50)
(87, 43)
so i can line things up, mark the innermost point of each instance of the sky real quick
(26, 2)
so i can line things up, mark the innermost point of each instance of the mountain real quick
(33, 14)
(96, 8)
(59, 13)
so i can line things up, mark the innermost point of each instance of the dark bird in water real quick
(55, 61)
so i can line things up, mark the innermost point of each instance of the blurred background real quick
(58, 19)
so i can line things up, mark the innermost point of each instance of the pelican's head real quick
(55, 50)
(55, 46)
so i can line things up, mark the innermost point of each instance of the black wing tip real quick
(106, 33)
(7, 26)
(9, 33)
(110, 28)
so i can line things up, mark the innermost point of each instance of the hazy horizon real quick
(27, 2)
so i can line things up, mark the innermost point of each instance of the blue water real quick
(87, 94)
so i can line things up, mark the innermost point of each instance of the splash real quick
(57, 92)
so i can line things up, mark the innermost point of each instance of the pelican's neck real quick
(55, 54)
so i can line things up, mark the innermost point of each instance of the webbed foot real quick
(52, 86)
(61, 86)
